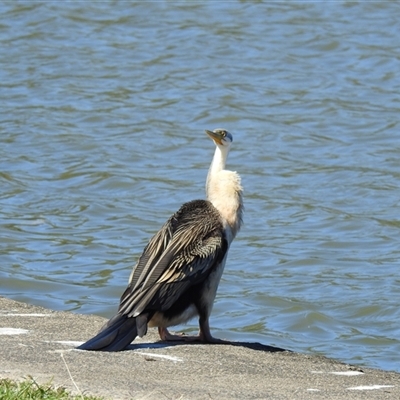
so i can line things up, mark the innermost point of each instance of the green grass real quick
(31, 390)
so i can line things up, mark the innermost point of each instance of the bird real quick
(177, 275)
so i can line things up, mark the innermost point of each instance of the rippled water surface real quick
(103, 111)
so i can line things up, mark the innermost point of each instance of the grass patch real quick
(31, 390)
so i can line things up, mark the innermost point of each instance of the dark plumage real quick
(177, 275)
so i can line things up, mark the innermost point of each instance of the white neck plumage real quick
(224, 191)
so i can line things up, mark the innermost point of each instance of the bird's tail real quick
(117, 333)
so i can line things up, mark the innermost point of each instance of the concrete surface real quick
(40, 342)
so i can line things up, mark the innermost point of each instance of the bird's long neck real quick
(218, 164)
(224, 191)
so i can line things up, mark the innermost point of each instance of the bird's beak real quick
(217, 137)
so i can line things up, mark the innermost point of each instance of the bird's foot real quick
(166, 335)
(214, 340)
(182, 337)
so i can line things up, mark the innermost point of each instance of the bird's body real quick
(177, 275)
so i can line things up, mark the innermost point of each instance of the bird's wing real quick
(178, 256)
(152, 252)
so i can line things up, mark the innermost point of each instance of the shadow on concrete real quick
(249, 345)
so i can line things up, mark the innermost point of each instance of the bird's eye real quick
(223, 133)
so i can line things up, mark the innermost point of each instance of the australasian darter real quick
(177, 275)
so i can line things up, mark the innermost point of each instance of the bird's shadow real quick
(164, 344)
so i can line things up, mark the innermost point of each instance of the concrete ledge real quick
(40, 342)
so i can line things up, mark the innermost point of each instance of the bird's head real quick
(221, 137)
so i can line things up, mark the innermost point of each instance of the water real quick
(103, 108)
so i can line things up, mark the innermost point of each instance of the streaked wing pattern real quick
(181, 255)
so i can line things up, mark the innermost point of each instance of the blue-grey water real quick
(102, 118)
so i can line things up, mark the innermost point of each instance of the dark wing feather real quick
(180, 255)
(152, 252)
